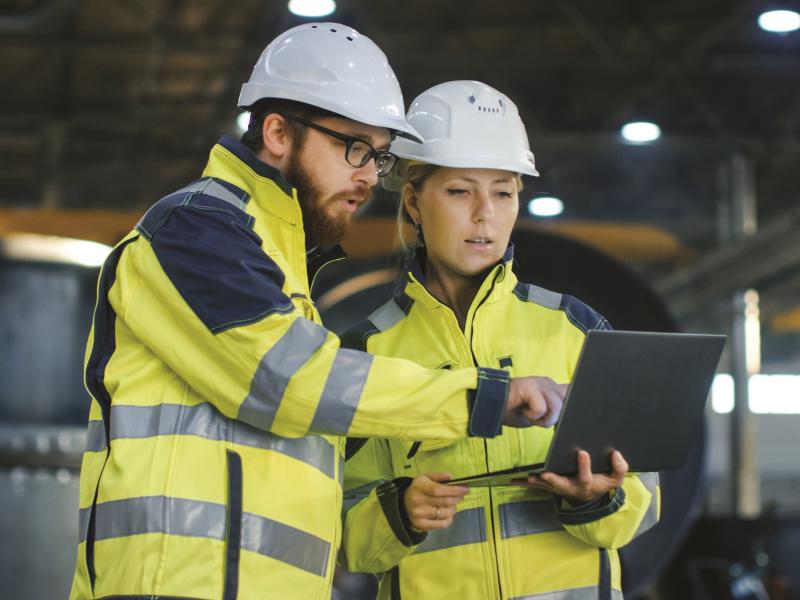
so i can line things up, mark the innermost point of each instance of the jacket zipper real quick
(485, 443)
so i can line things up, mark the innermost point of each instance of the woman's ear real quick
(411, 203)
(276, 135)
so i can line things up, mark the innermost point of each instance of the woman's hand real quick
(429, 503)
(585, 486)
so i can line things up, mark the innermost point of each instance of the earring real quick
(418, 231)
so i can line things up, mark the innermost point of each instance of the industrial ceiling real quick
(110, 104)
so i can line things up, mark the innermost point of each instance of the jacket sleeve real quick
(617, 518)
(376, 533)
(199, 292)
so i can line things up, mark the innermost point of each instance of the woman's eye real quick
(505, 194)
(456, 191)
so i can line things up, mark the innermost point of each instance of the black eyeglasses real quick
(357, 151)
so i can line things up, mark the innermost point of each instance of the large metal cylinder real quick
(45, 312)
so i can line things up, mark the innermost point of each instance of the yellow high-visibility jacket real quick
(505, 542)
(219, 403)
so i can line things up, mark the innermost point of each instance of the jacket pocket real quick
(233, 526)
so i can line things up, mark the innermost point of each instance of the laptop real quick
(642, 393)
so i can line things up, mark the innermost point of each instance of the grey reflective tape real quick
(279, 364)
(285, 543)
(528, 518)
(95, 436)
(83, 523)
(204, 420)
(583, 593)
(544, 297)
(650, 519)
(195, 518)
(469, 527)
(159, 514)
(211, 188)
(339, 401)
(387, 316)
(356, 495)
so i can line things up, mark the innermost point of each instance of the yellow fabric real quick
(165, 363)
(541, 338)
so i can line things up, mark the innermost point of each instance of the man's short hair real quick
(253, 138)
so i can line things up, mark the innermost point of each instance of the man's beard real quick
(321, 229)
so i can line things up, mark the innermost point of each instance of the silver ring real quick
(436, 514)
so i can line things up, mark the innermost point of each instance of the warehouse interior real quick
(109, 106)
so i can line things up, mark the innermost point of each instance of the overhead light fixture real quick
(640, 132)
(312, 8)
(46, 248)
(779, 21)
(243, 121)
(545, 206)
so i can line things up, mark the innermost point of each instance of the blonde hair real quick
(416, 173)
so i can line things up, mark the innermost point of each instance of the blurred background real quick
(668, 139)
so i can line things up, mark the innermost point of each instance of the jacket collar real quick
(258, 166)
(498, 282)
(232, 161)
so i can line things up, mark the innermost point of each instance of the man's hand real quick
(585, 486)
(534, 401)
(430, 504)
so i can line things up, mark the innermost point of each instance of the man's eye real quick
(359, 147)
(505, 194)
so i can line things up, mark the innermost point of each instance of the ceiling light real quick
(779, 21)
(243, 120)
(312, 8)
(545, 206)
(46, 248)
(641, 132)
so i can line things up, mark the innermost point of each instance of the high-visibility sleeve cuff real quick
(390, 495)
(605, 505)
(487, 403)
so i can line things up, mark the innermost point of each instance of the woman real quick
(461, 305)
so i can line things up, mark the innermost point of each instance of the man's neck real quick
(264, 156)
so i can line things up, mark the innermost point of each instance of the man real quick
(219, 403)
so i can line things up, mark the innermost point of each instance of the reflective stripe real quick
(159, 514)
(285, 543)
(584, 593)
(204, 420)
(342, 392)
(544, 297)
(469, 527)
(210, 187)
(83, 524)
(95, 436)
(387, 316)
(650, 519)
(356, 495)
(527, 518)
(194, 518)
(279, 364)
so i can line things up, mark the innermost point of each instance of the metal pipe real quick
(745, 353)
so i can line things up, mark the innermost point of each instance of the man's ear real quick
(411, 202)
(276, 135)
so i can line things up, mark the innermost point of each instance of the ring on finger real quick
(436, 514)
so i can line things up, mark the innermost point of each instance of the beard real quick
(321, 228)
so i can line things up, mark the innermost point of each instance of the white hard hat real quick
(332, 67)
(465, 124)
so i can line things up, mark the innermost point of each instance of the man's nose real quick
(367, 174)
